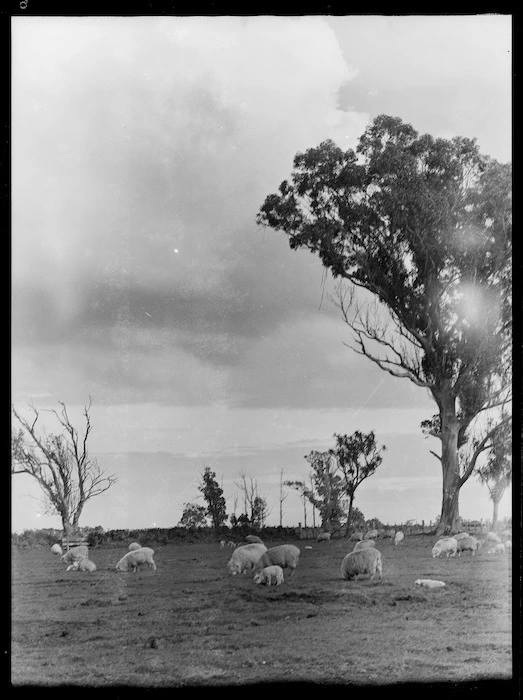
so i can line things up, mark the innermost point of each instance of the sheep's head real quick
(257, 578)
(233, 567)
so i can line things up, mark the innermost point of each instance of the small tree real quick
(213, 495)
(327, 490)
(357, 457)
(60, 463)
(193, 516)
(496, 474)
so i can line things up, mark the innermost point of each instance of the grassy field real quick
(191, 623)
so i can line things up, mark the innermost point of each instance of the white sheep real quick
(429, 583)
(499, 548)
(253, 539)
(133, 559)
(231, 544)
(133, 546)
(285, 555)
(245, 557)
(492, 537)
(399, 537)
(467, 544)
(461, 536)
(506, 534)
(447, 546)
(371, 535)
(56, 549)
(366, 561)
(356, 537)
(324, 537)
(222, 544)
(267, 575)
(365, 544)
(84, 564)
(75, 554)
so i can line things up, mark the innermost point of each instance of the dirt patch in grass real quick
(191, 623)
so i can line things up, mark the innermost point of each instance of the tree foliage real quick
(213, 495)
(193, 516)
(496, 473)
(60, 462)
(424, 225)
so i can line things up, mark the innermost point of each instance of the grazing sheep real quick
(324, 537)
(365, 544)
(222, 544)
(461, 536)
(285, 555)
(499, 548)
(467, 544)
(245, 557)
(75, 554)
(133, 546)
(429, 583)
(506, 534)
(366, 561)
(371, 535)
(133, 559)
(231, 544)
(253, 539)
(268, 574)
(56, 549)
(447, 546)
(399, 537)
(356, 537)
(492, 537)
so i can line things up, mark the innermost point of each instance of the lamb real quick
(324, 537)
(245, 557)
(492, 537)
(356, 537)
(447, 546)
(499, 548)
(285, 555)
(133, 546)
(461, 536)
(133, 559)
(75, 554)
(253, 539)
(365, 544)
(371, 535)
(56, 549)
(467, 544)
(266, 575)
(429, 583)
(231, 544)
(399, 537)
(222, 544)
(84, 564)
(366, 561)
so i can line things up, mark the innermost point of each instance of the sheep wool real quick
(365, 544)
(285, 555)
(270, 573)
(133, 559)
(429, 583)
(366, 561)
(245, 557)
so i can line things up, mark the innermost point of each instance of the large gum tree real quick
(417, 232)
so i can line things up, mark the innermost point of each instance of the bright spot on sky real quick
(176, 250)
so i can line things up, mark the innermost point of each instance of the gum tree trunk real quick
(449, 520)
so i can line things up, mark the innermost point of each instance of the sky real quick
(142, 150)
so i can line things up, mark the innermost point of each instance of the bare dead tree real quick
(60, 463)
(283, 496)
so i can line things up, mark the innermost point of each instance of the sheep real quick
(324, 537)
(506, 534)
(499, 548)
(467, 544)
(75, 554)
(131, 560)
(285, 555)
(133, 546)
(231, 544)
(56, 549)
(356, 537)
(366, 561)
(447, 546)
(461, 536)
(245, 557)
(365, 544)
(222, 544)
(399, 537)
(84, 564)
(492, 537)
(429, 583)
(268, 574)
(371, 535)
(253, 539)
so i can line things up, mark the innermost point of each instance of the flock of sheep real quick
(268, 564)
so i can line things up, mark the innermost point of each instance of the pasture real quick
(192, 623)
